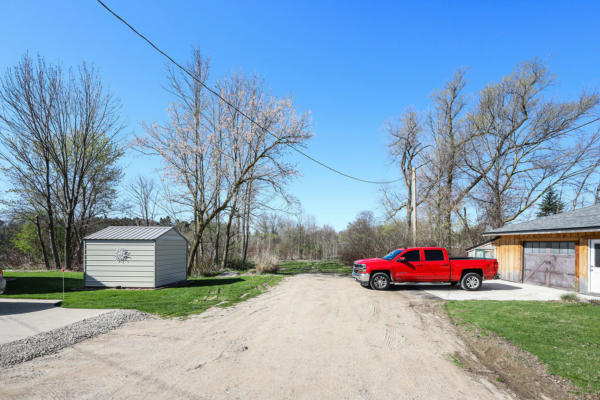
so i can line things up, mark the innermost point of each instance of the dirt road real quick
(311, 337)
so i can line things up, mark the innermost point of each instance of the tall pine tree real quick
(551, 204)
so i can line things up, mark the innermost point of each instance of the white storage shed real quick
(485, 249)
(134, 256)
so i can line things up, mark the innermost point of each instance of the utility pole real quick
(414, 205)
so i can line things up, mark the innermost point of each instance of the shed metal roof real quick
(580, 220)
(129, 233)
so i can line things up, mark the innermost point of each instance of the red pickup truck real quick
(424, 264)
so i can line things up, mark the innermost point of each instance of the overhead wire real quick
(252, 120)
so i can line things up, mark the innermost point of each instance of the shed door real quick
(549, 264)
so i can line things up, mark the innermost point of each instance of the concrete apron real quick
(21, 318)
(501, 290)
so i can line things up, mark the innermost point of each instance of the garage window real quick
(564, 248)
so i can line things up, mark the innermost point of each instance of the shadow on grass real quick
(41, 285)
(208, 282)
(38, 285)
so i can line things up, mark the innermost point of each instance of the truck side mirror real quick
(401, 259)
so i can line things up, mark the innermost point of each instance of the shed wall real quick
(171, 259)
(103, 269)
(485, 251)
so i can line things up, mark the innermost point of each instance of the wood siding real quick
(103, 269)
(509, 252)
(171, 259)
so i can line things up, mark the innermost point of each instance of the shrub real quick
(239, 264)
(267, 263)
(205, 267)
(570, 298)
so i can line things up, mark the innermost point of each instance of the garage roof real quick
(130, 233)
(584, 219)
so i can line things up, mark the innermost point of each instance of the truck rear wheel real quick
(380, 281)
(471, 281)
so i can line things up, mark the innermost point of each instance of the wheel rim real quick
(380, 282)
(472, 282)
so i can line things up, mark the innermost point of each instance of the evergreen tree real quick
(551, 204)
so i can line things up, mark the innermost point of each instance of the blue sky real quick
(353, 64)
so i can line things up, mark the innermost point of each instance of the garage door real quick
(550, 264)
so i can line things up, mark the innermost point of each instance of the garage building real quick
(560, 251)
(134, 256)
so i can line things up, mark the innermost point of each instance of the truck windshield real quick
(393, 254)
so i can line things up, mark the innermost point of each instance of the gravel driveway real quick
(311, 337)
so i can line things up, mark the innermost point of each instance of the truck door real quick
(409, 267)
(436, 267)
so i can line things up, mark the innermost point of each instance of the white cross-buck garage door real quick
(549, 264)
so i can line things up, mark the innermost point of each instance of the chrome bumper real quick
(362, 278)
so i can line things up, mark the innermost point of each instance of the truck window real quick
(434, 255)
(412, 255)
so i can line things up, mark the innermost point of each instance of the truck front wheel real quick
(380, 281)
(471, 281)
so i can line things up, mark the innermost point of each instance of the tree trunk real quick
(51, 230)
(246, 223)
(68, 245)
(448, 228)
(228, 233)
(195, 246)
(42, 244)
(217, 240)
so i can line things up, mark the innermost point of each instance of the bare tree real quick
(500, 151)
(60, 135)
(144, 194)
(407, 143)
(211, 151)
(524, 144)
(444, 164)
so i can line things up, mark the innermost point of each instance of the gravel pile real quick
(50, 342)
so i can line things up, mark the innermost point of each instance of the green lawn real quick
(305, 267)
(564, 336)
(197, 296)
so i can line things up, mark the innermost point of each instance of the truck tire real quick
(471, 281)
(380, 281)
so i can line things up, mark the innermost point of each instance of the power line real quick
(582, 125)
(214, 92)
